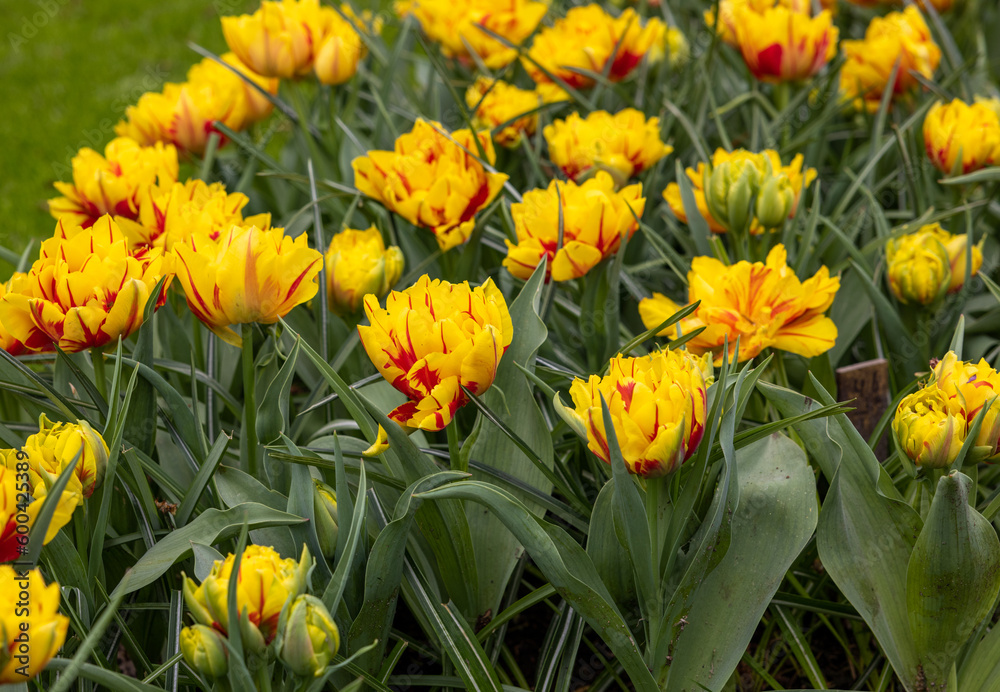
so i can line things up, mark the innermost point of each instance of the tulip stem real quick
(454, 450)
(262, 677)
(100, 378)
(249, 405)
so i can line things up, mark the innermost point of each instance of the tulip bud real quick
(358, 263)
(775, 201)
(930, 428)
(338, 58)
(325, 509)
(310, 638)
(729, 193)
(956, 246)
(919, 268)
(204, 651)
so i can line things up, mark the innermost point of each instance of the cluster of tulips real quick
(129, 230)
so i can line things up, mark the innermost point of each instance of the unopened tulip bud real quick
(338, 57)
(775, 201)
(204, 650)
(919, 268)
(310, 639)
(930, 428)
(325, 510)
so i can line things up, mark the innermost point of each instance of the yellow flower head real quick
(113, 183)
(586, 39)
(253, 105)
(919, 268)
(311, 638)
(507, 111)
(971, 386)
(899, 36)
(595, 220)
(780, 44)
(266, 582)
(29, 636)
(658, 405)
(169, 214)
(342, 48)
(455, 25)
(432, 180)
(957, 128)
(930, 427)
(623, 144)
(956, 245)
(729, 10)
(86, 290)
(359, 264)
(280, 39)
(797, 178)
(7, 342)
(431, 340)
(764, 305)
(246, 275)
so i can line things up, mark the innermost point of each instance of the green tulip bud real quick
(310, 638)
(205, 651)
(325, 510)
(775, 201)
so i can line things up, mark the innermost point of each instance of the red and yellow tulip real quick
(504, 109)
(359, 264)
(595, 220)
(29, 636)
(431, 340)
(930, 427)
(958, 128)
(781, 44)
(246, 275)
(432, 179)
(762, 304)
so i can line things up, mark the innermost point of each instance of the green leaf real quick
(953, 578)
(115, 682)
(204, 475)
(209, 527)
(140, 416)
(272, 412)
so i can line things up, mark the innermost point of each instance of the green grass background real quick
(67, 82)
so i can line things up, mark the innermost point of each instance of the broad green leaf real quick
(272, 411)
(953, 578)
(606, 552)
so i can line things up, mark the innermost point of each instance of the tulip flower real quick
(114, 182)
(56, 445)
(919, 268)
(170, 214)
(29, 636)
(959, 128)
(930, 428)
(432, 180)
(901, 37)
(595, 220)
(325, 509)
(455, 25)
(280, 39)
(7, 342)
(972, 386)
(12, 540)
(781, 45)
(252, 104)
(729, 10)
(266, 582)
(338, 57)
(768, 160)
(956, 245)
(431, 340)
(762, 304)
(623, 144)
(587, 38)
(658, 405)
(247, 275)
(204, 651)
(358, 264)
(86, 290)
(310, 639)
(507, 111)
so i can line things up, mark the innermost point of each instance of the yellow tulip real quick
(956, 245)
(595, 219)
(265, 583)
(587, 38)
(431, 340)
(310, 639)
(507, 111)
(959, 128)
(114, 182)
(27, 491)
(246, 275)
(7, 342)
(762, 304)
(780, 45)
(623, 144)
(972, 386)
(169, 214)
(730, 9)
(798, 179)
(86, 290)
(204, 651)
(658, 405)
(455, 25)
(31, 628)
(280, 39)
(358, 264)
(899, 36)
(918, 268)
(930, 428)
(13, 541)
(432, 180)
(55, 445)
(253, 105)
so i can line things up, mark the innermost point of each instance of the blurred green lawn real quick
(68, 68)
